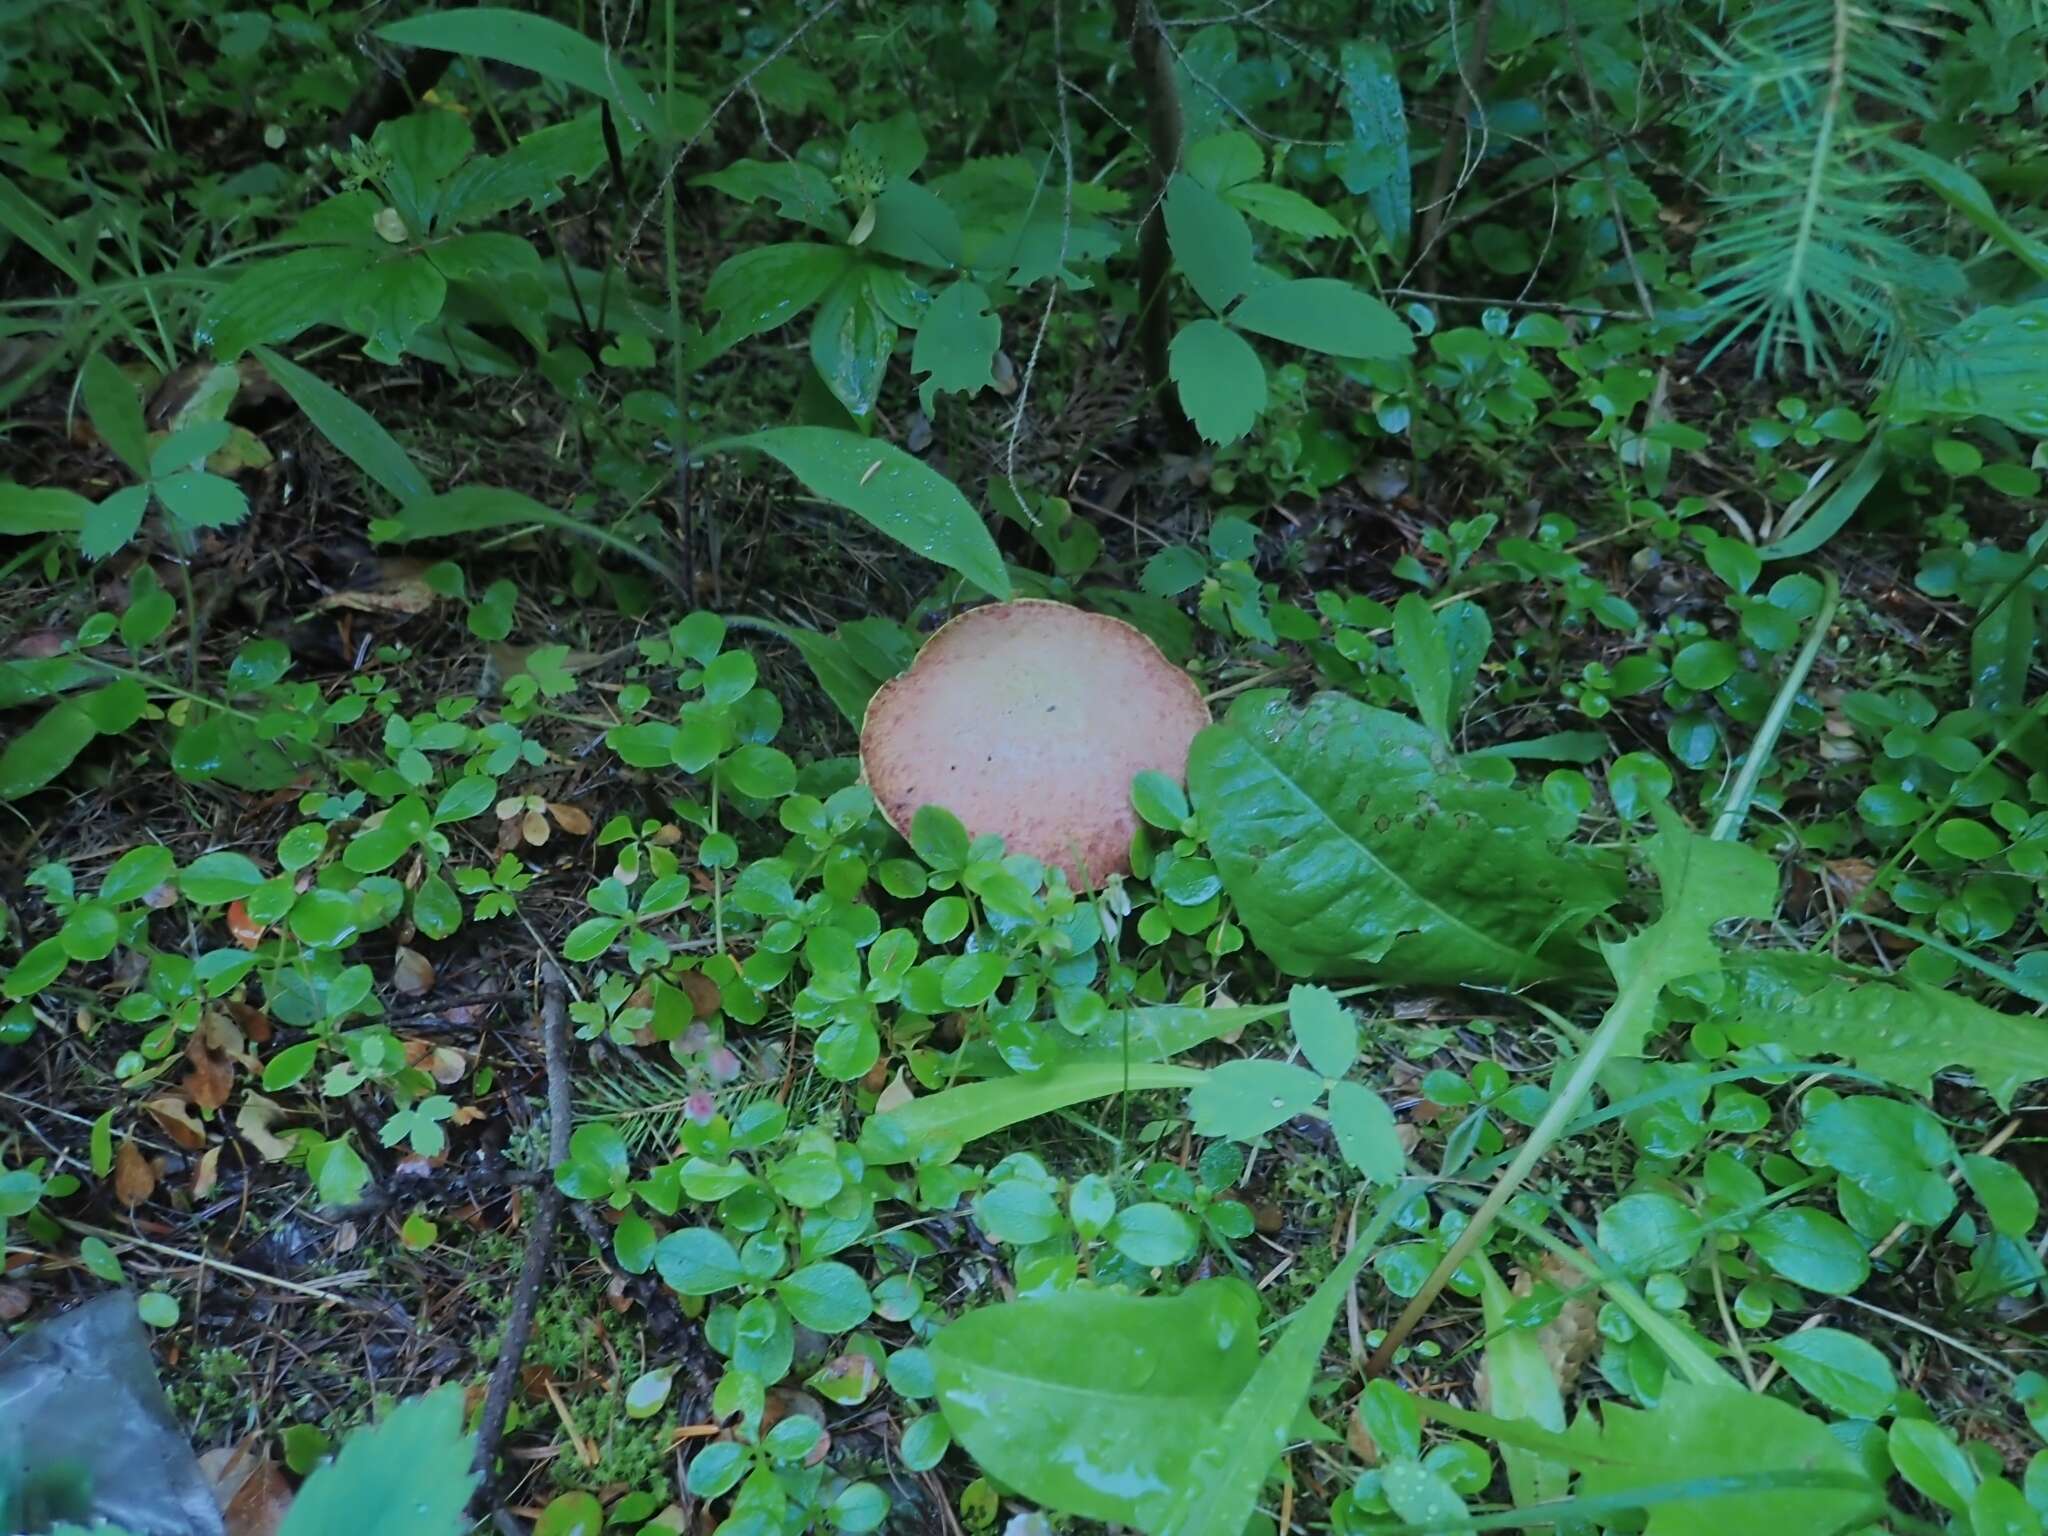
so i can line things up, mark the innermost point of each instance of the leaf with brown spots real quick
(134, 1179)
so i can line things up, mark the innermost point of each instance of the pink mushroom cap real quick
(1029, 720)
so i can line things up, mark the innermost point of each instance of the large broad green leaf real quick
(1993, 364)
(1221, 381)
(1352, 846)
(1094, 1403)
(546, 47)
(889, 490)
(1376, 161)
(1212, 244)
(350, 428)
(1699, 1431)
(36, 756)
(408, 1476)
(1902, 1031)
(1325, 315)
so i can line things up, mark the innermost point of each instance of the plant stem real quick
(1135, 20)
(1736, 808)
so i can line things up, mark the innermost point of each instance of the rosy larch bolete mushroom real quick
(1030, 719)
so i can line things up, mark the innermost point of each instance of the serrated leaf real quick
(1353, 846)
(890, 491)
(956, 345)
(408, 1476)
(1221, 381)
(1325, 315)
(1211, 243)
(1246, 1099)
(1903, 1031)
(116, 411)
(111, 523)
(1283, 209)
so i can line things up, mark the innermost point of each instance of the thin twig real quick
(206, 1261)
(540, 1238)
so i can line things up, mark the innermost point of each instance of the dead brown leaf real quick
(895, 1096)
(534, 827)
(13, 1303)
(207, 1175)
(245, 930)
(412, 973)
(252, 1492)
(175, 1116)
(254, 1121)
(212, 1077)
(399, 587)
(702, 992)
(572, 819)
(134, 1179)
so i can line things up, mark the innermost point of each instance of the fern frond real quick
(1812, 241)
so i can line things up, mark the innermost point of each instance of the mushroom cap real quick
(1029, 719)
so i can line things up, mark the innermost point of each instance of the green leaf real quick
(1211, 243)
(1376, 161)
(546, 47)
(851, 342)
(1152, 1234)
(1521, 1384)
(350, 428)
(159, 1309)
(200, 500)
(1245, 1099)
(1810, 1248)
(275, 299)
(1283, 209)
(2008, 1199)
(116, 412)
(37, 755)
(1964, 193)
(1846, 1373)
(800, 191)
(1849, 492)
(891, 491)
(50, 509)
(698, 1262)
(1903, 1031)
(970, 1111)
(1325, 315)
(138, 872)
(1993, 364)
(1647, 1230)
(1703, 883)
(1366, 1133)
(1352, 846)
(828, 1297)
(762, 288)
(1323, 1028)
(1897, 1154)
(100, 1145)
(1095, 1403)
(1234, 1453)
(408, 1476)
(215, 879)
(1927, 1456)
(111, 523)
(1221, 381)
(956, 345)
(1425, 661)
(1700, 1431)
(478, 508)
(22, 217)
